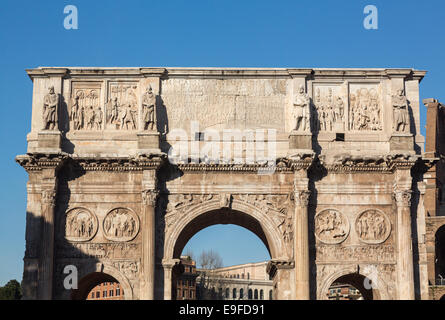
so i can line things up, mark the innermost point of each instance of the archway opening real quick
(241, 248)
(98, 286)
(351, 287)
(440, 256)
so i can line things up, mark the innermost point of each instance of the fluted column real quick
(168, 276)
(405, 268)
(45, 288)
(301, 244)
(148, 243)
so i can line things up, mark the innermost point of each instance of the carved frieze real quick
(122, 106)
(121, 225)
(372, 226)
(365, 112)
(86, 110)
(329, 253)
(331, 226)
(108, 250)
(129, 268)
(80, 225)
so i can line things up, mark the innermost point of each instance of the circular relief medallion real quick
(372, 226)
(121, 225)
(331, 226)
(80, 225)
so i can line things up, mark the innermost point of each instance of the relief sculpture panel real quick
(329, 108)
(373, 226)
(365, 112)
(121, 224)
(86, 112)
(122, 106)
(331, 226)
(79, 225)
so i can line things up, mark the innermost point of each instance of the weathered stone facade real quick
(342, 200)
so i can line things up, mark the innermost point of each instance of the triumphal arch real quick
(126, 164)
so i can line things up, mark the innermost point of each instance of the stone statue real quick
(301, 110)
(148, 109)
(76, 114)
(400, 111)
(50, 103)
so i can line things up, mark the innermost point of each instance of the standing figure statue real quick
(148, 109)
(50, 103)
(301, 110)
(400, 111)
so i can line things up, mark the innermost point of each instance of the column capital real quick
(402, 197)
(301, 197)
(49, 196)
(149, 197)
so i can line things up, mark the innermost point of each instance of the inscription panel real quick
(231, 103)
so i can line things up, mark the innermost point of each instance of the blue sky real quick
(315, 33)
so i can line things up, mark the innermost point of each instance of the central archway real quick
(263, 225)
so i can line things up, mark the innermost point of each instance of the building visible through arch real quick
(326, 166)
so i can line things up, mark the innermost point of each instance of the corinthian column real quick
(405, 269)
(301, 244)
(148, 244)
(48, 202)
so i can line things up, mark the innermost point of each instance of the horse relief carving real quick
(331, 226)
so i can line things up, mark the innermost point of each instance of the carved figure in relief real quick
(301, 110)
(50, 103)
(400, 111)
(329, 109)
(85, 110)
(122, 107)
(120, 224)
(372, 226)
(148, 109)
(79, 225)
(76, 114)
(365, 110)
(331, 226)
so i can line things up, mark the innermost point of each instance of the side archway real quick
(101, 273)
(349, 275)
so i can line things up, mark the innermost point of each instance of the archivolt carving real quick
(331, 226)
(184, 209)
(121, 224)
(372, 226)
(381, 275)
(80, 225)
